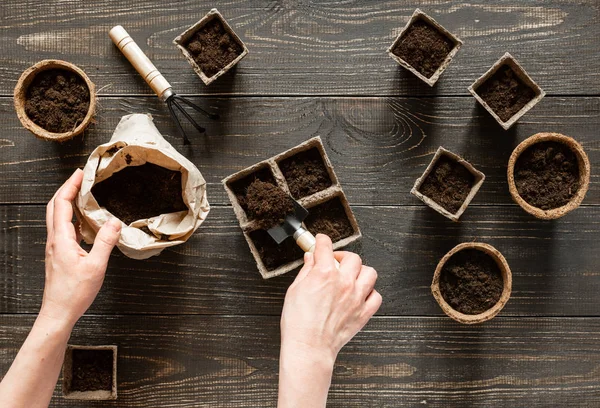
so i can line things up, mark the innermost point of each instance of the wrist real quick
(53, 322)
(301, 354)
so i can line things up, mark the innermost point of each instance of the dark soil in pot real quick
(272, 254)
(471, 282)
(448, 184)
(140, 192)
(424, 47)
(57, 100)
(505, 93)
(213, 48)
(92, 370)
(305, 173)
(547, 175)
(268, 204)
(330, 219)
(240, 187)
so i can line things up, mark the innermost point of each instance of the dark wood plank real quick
(301, 47)
(210, 361)
(378, 146)
(555, 268)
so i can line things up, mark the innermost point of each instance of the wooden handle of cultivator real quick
(140, 61)
(307, 241)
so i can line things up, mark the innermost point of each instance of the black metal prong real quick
(196, 107)
(187, 116)
(186, 141)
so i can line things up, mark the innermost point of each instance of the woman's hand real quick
(324, 308)
(73, 276)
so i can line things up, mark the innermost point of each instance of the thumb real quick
(105, 241)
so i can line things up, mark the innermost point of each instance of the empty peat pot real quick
(55, 100)
(424, 47)
(506, 91)
(472, 283)
(211, 46)
(548, 175)
(90, 373)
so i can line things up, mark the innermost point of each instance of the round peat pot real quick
(492, 311)
(584, 175)
(20, 97)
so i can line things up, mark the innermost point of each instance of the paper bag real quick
(135, 142)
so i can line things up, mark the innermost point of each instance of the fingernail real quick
(115, 224)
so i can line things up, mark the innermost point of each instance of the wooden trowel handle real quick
(307, 241)
(140, 61)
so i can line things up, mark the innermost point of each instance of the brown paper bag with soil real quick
(137, 142)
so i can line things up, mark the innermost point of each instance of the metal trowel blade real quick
(292, 223)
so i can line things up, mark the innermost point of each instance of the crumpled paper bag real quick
(135, 142)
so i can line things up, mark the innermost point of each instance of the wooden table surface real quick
(197, 326)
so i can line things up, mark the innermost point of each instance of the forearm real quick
(32, 377)
(304, 378)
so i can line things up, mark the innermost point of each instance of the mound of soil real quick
(272, 254)
(140, 192)
(57, 100)
(305, 173)
(547, 175)
(213, 48)
(92, 370)
(240, 187)
(268, 204)
(505, 93)
(424, 47)
(471, 282)
(329, 218)
(448, 184)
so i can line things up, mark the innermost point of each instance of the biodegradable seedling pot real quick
(20, 94)
(479, 177)
(70, 368)
(419, 15)
(494, 310)
(584, 175)
(521, 74)
(326, 203)
(183, 39)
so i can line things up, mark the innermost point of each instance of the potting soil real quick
(505, 93)
(213, 48)
(240, 187)
(471, 282)
(268, 204)
(272, 254)
(448, 184)
(92, 370)
(424, 47)
(547, 175)
(330, 219)
(305, 173)
(57, 100)
(140, 192)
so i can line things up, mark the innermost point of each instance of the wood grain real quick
(378, 146)
(554, 265)
(216, 361)
(308, 47)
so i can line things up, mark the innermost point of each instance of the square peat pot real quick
(211, 46)
(322, 196)
(407, 50)
(448, 184)
(505, 82)
(90, 373)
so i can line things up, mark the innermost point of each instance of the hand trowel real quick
(292, 227)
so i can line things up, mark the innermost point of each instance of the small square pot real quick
(327, 199)
(416, 16)
(520, 72)
(181, 42)
(479, 178)
(70, 368)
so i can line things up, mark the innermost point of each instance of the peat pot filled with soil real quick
(472, 283)
(506, 91)
(424, 47)
(548, 175)
(90, 373)
(55, 100)
(211, 46)
(448, 184)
